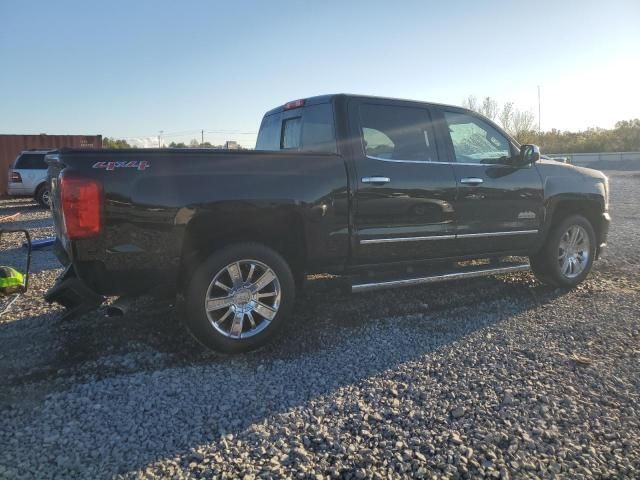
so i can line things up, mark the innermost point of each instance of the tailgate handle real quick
(376, 180)
(471, 181)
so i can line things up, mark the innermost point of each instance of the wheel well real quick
(283, 232)
(40, 185)
(590, 209)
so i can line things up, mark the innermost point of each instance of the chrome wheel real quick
(46, 198)
(243, 298)
(573, 251)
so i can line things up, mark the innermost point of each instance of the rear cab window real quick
(291, 133)
(310, 128)
(30, 161)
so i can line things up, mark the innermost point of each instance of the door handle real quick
(471, 181)
(374, 180)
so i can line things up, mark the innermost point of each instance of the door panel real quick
(28, 179)
(403, 194)
(508, 204)
(499, 206)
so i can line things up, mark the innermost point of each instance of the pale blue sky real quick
(132, 68)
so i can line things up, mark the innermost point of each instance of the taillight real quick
(294, 104)
(81, 200)
(14, 177)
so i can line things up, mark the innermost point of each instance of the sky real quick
(130, 69)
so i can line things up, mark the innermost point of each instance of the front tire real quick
(568, 253)
(239, 298)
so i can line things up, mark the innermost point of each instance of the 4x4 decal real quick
(141, 165)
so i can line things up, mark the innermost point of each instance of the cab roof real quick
(330, 98)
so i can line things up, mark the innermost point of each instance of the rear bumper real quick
(73, 294)
(118, 274)
(603, 233)
(19, 189)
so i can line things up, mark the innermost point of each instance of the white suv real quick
(28, 176)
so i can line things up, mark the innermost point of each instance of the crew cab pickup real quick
(384, 192)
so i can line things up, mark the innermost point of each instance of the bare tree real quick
(489, 108)
(471, 102)
(519, 123)
(523, 123)
(506, 116)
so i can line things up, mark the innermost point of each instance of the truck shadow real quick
(32, 224)
(41, 259)
(20, 204)
(373, 332)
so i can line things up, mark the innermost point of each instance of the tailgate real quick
(55, 164)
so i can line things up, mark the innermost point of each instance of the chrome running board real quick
(409, 282)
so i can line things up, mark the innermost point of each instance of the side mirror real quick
(529, 154)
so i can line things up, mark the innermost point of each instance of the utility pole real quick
(160, 138)
(201, 137)
(539, 129)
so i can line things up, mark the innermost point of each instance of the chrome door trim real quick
(407, 239)
(401, 161)
(496, 234)
(437, 163)
(447, 237)
(480, 164)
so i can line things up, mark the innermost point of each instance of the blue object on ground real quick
(42, 243)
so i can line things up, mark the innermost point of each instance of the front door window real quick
(476, 141)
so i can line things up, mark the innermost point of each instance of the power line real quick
(188, 133)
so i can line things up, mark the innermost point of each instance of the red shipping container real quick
(12, 145)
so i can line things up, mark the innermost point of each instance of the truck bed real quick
(154, 198)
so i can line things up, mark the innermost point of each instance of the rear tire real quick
(239, 298)
(567, 256)
(43, 196)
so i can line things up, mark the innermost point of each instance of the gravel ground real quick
(497, 377)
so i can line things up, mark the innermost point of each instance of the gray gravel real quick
(497, 377)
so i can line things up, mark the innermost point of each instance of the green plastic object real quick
(11, 280)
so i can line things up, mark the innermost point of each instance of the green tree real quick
(114, 143)
(625, 136)
(627, 133)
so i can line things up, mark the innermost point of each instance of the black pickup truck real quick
(385, 192)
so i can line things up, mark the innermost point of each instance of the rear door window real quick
(391, 132)
(31, 161)
(318, 134)
(377, 144)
